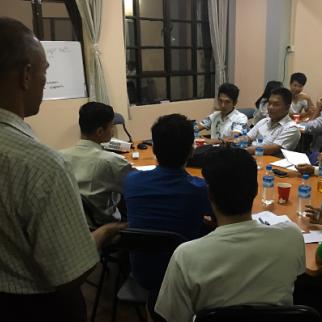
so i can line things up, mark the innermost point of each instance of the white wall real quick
(307, 58)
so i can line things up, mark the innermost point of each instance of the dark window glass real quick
(153, 89)
(205, 61)
(181, 87)
(206, 85)
(180, 34)
(151, 33)
(203, 35)
(180, 9)
(181, 59)
(130, 32)
(151, 8)
(152, 60)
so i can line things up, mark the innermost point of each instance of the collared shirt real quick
(164, 199)
(100, 176)
(241, 263)
(222, 127)
(283, 133)
(44, 237)
(314, 127)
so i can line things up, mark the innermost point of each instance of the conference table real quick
(146, 157)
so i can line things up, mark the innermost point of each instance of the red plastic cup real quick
(199, 142)
(284, 189)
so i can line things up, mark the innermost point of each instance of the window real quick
(51, 20)
(168, 50)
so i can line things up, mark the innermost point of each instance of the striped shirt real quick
(44, 238)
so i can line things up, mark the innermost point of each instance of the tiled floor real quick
(125, 312)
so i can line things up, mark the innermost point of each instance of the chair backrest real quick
(259, 313)
(248, 111)
(89, 210)
(149, 240)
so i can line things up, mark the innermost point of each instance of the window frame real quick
(167, 47)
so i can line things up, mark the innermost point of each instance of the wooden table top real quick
(147, 158)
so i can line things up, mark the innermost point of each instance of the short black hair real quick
(230, 90)
(93, 115)
(284, 93)
(271, 85)
(172, 137)
(298, 77)
(17, 42)
(231, 175)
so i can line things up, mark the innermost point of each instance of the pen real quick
(261, 220)
(266, 223)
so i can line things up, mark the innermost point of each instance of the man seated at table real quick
(166, 198)
(301, 102)
(226, 121)
(242, 261)
(277, 130)
(99, 173)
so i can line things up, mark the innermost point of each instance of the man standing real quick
(277, 130)
(166, 198)
(240, 262)
(226, 121)
(46, 250)
(99, 173)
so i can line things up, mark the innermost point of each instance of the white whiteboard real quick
(65, 75)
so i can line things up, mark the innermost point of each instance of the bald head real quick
(17, 42)
(22, 68)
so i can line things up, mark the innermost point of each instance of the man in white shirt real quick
(99, 173)
(301, 102)
(242, 261)
(226, 121)
(277, 130)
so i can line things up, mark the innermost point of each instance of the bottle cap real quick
(260, 140)
(305, 176)
(269, 167)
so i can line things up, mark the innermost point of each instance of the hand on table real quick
(305, 169)
(315, 214)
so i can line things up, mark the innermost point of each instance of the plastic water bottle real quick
(268, 187)
(320, 177)
(259, 152)
(196, 130)
(243, 140)
(236, 141)
(303, 195)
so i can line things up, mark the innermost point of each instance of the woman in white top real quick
(262, 102)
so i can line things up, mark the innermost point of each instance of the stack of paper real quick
(145, 167)
(269, 218)
(314, 236)
(291, 159)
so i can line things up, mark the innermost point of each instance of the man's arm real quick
(100, 235)
(269, 149)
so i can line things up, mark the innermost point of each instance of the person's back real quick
(242, 261)
(166, 198)
(99, 174)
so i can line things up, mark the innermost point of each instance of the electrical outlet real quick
(290, 48)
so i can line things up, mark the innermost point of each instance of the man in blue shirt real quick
(166, 198)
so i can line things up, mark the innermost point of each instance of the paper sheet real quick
(270, 218)
(145, 167)
(314, 236)
(295, 157)
(282, 163)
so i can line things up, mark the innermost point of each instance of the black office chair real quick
(249, 112)
(259, 313)
(119, 119)
(144, 241)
